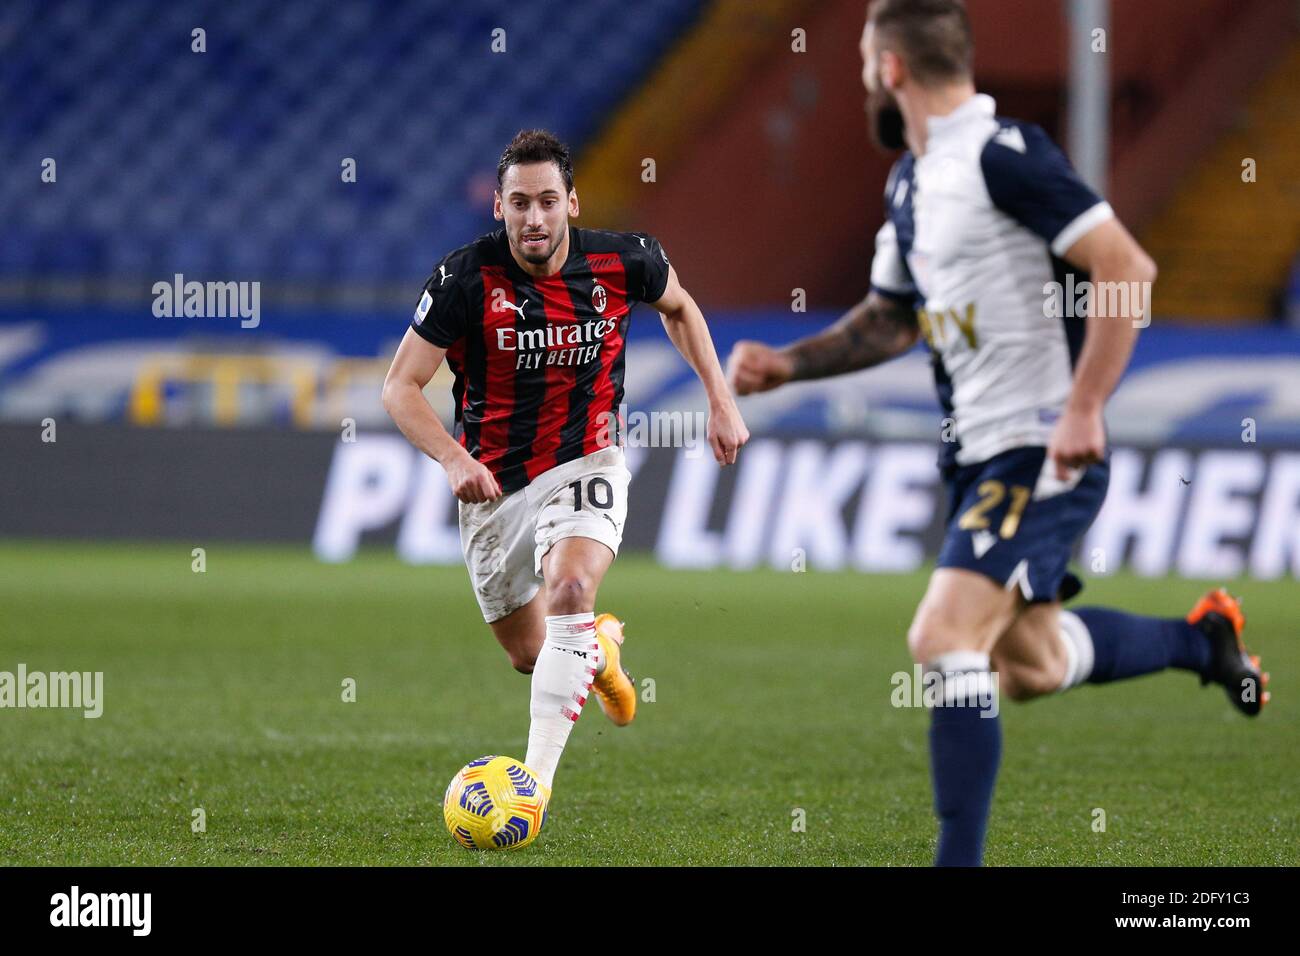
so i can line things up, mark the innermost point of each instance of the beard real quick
(538, 258)
(886, 121)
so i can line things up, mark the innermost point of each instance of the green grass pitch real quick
(223, 691)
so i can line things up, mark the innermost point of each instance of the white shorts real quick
(504, 540)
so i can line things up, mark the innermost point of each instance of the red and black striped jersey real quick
(538, 362)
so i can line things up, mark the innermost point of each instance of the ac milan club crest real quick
(598, 298)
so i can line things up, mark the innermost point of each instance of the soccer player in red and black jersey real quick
(532, 319)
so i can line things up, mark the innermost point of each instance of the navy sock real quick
(1126, 645)
(965, 748)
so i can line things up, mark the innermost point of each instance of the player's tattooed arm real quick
(875, 330)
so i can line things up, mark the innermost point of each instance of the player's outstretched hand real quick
(1078, 440)
(755, 367)
(727, 432)
(471, 481)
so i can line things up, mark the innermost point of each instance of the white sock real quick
(1078, 650)
(562, 679)
(966, 678)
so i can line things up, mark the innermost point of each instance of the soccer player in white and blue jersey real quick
(983, 215)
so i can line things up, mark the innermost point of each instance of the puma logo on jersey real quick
(445, 275)
(518, 308)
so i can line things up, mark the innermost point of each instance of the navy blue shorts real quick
(1007, 524)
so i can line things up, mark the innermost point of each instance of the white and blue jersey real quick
(976, 228)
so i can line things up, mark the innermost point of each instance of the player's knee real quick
(1021, 682)
(570, 594)
(928, 639)
(523, 661)
(1010, 686)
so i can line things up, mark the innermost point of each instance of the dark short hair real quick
(536, 146)
(933, 37)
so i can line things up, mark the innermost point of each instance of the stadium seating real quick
(228, 162)
(1225, 244)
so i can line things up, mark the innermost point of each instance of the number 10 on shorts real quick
(599, 492)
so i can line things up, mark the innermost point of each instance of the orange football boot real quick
(614, 687)
(1218, 616)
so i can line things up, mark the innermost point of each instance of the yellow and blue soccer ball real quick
(495, 803)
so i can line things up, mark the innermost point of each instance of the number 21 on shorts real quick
(991, 493)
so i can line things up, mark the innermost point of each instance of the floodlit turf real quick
(771, 696)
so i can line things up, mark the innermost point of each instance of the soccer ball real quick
(495, 803)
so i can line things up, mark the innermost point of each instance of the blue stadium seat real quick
(228, 162)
